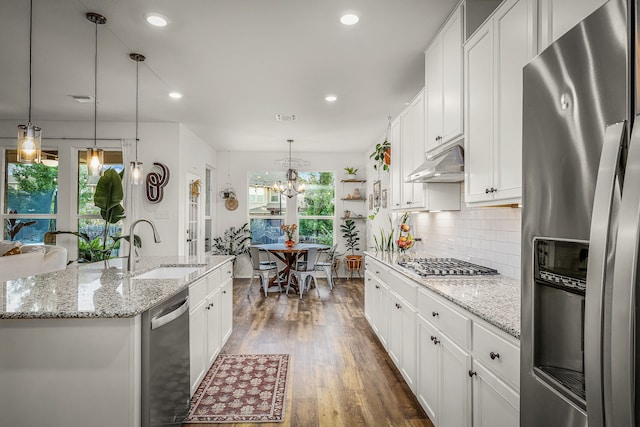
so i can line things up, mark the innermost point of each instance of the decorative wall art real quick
(370, 202)
(384, 198)
(155, 183)
(376, 194)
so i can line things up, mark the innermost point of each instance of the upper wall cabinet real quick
(559, 16)
(494, 58)
(443, 81)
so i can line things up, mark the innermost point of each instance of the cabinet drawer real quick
(197, 292)
(449, 321)
(213, 280)
(403, 287)
(497, 354)
(226, 272)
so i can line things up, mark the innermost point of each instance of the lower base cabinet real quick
(210, 320)
(494, 403)
(444, 388)
(447, 356)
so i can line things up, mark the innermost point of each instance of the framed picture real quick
(384, 198)
(376, 194)
(370, 202)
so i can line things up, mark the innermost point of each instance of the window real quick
(315, 208)
(265, 218)
(89, 219)
(30, 198)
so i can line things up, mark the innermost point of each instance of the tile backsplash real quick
(485, 236)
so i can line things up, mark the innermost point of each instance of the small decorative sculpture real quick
(155, 183)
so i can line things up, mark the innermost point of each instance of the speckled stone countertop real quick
(495, 299)
(102, 289)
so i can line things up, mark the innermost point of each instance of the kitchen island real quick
(70, 351)
(454, 339)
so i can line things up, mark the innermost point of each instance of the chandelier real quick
(292, 186)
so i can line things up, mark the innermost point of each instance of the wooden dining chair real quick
(261, 269)
(304, 270)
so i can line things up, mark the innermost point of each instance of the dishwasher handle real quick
(163, 319)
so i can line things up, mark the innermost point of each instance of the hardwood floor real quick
(339, 373)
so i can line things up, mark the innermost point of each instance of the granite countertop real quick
(101, 290)
(495, 299)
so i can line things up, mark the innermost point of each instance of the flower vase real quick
(289, 243)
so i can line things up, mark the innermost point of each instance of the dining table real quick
(287, 254)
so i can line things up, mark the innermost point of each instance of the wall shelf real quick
(353, 180)
(353, 217)
(358, 199)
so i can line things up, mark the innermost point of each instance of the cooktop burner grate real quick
(445, 267)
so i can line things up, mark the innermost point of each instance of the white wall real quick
(237, 164)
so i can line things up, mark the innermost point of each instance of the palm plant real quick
(234, 241)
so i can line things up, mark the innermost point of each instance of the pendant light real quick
(29, 136)
(291, 187)
(135, 168)
(95, 155)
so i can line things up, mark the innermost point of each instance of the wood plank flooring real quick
(339, 373)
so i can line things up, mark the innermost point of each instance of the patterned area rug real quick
(242, 388)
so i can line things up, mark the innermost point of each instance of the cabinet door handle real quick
(486, 191)
(399, 306)
(472, 373)
(432, 338)
(434, 314)
(224, 292)
(377, 272)
(208, 307)
(436, 341)
(377, 286)
(494, 356)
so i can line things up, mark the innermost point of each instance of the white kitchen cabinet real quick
(413, 151)
(397, 180)
(444, 383)
(559, 16)
(494, 403)
(210, 319)
(197, 335)
(402, 338)
(443, 81)
(494, 58)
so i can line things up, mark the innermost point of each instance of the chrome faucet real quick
(131, 264)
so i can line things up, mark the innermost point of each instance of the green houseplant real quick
(234, 241)
(351, 172)
(352, 262)
(382, 155)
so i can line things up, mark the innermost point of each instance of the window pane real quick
(94, 228)
(266, 230)
(30, 189)
(207, 193)
(319, 198)
(316, 231)
(263, 199)
(28, 230)
(207, 235)
(112, 159)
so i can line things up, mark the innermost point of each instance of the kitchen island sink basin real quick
(167, 273)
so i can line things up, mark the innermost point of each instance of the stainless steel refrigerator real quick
(580, 226)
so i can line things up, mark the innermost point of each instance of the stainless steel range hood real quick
(444, 166)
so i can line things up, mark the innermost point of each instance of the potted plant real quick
(351, 172)
(108, 197)
(289, 230)
(234, 241)
(382, 155)
(352, 262)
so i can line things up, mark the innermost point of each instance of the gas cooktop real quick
(445, 267)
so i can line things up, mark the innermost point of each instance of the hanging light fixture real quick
(95, 155)
(291, 187)
(135, 168)
(29, 136)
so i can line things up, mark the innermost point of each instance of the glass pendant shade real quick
(29, 144)
(136, 173)
(95, 160)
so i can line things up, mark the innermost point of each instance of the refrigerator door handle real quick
(624, 292)
(599, 255)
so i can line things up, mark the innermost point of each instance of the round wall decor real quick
(231, 204)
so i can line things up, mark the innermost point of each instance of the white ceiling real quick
(237, 62)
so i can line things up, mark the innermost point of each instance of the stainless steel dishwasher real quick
(165, 362)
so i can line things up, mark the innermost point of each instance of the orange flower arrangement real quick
(289, 230)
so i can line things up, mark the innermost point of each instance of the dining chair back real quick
(303, 270)
(261, 269)
(327, 264)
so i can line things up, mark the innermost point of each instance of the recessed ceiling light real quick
(349, 19)
(330, 98)
(157, 19)
(175, 95)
